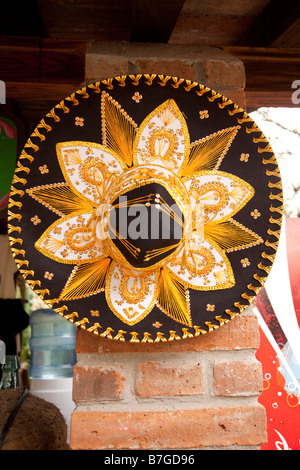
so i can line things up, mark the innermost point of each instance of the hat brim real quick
(54, 213)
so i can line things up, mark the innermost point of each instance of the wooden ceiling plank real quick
(152, 22)
(87, 19)
(270, 73)
(269, 99)
(42, 60)
(62, 61)
(19, 59)
(273, 21)
(21, 18)
(18, 91)
(290, 38)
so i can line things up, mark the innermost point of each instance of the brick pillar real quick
(194, 393)
(209, 66)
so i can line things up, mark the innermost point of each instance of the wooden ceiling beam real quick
(269, 99)
(274, 20)
(49, 70)
(151, 23)
(35, 91)
(290, 37)
(41, 60)
(270, 74)
(21, 18)
(268, 68)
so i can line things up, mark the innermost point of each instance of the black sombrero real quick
(146, 208)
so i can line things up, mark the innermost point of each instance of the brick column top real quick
(206, 65)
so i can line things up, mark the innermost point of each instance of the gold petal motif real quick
(118, 129)
(60, 198)
(231, 235)
(162, 138)
(221, 194)
(208, 153)
(86, 279)
(89, 168)
(202, 265)
(173, 298)
(130, 294)
(73, 238)
(52, 244)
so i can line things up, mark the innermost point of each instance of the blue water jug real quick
(52, 343)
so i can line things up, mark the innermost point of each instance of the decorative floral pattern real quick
(255, 214)
(137, 97)
(245, 262)
(48, 275)
(204, 114)
(79, 121)
(244, 157)
(35, 220)
(160, 151)
(44, 169)
(210, 307)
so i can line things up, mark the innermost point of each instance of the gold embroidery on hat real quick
(59, 198)
(121, 80)
(173, 298)
(86, 279)
(231, 235)
(137, 97)
(208, 153)
(149, 79)
(274, 195)
(118, 129)
(137, 292)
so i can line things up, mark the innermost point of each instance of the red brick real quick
(96, 383)
(156, 379)
(174, 67)
(240, 333)
(237, 378)
(105, 60)
(224, 72)
(174, 429)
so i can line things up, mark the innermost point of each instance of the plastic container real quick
(57, 391)
(10, 376)
(52, 345)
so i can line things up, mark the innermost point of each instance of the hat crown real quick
(145, 225)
